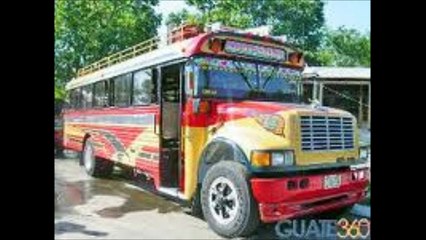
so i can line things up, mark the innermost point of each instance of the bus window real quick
(76, 98)
(100, 94)
(143, 87)
(110, 92)
(170, 83)
(122, 86)
(87, 96)
(72, 98)
(170, 102)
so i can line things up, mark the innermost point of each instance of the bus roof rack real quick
(177, 34)
(138, 49)
(262, 31)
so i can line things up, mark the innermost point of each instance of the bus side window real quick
(87, 96)
(71, 98)
(122, 86)
(143, 87)
(107, 96)
(100, 94)
(111, 92)
(78, 98)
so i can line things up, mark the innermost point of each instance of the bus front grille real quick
(322, 133)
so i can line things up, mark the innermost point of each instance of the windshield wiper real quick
(245, 78)
(269, 77)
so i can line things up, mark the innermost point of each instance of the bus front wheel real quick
(93, 165)
(227, 201)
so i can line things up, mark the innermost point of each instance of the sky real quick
(349, 13)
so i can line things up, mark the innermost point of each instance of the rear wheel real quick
(94, 166)
(227, 201)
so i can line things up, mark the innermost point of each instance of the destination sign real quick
(253, 50)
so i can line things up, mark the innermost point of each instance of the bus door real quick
(170, 109)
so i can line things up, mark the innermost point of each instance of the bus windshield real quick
(223, 78)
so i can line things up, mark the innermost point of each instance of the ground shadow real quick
(138, 197)
(67, 227)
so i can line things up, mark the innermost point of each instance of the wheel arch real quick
(86, 136)
(220, 149)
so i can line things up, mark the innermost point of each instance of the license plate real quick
(332, 181)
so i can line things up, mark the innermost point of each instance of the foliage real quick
(300, 20)
(347, 47)
(179, 18)
(87, 30)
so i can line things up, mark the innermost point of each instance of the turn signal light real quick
(261, 159)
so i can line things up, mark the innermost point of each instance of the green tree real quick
(300, 20)
(345, 47)
(184, 16)
(87, 30)
(176, 19)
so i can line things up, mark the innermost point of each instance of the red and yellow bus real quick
(216, 119)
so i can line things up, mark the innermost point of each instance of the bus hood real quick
(235, 110)
(303, 130)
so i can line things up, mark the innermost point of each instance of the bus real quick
(215, 119)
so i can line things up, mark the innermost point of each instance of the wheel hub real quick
(223, 200)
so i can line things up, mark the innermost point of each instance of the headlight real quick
(277, 158)
(271, 122)
(288, 158)
(272, 158)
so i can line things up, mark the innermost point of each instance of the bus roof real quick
(154, 52)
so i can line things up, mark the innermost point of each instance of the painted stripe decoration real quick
(149, 156)
(114, 119)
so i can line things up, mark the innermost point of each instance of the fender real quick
(220, 149)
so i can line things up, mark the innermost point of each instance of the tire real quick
(94, 166)
(234, 213)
